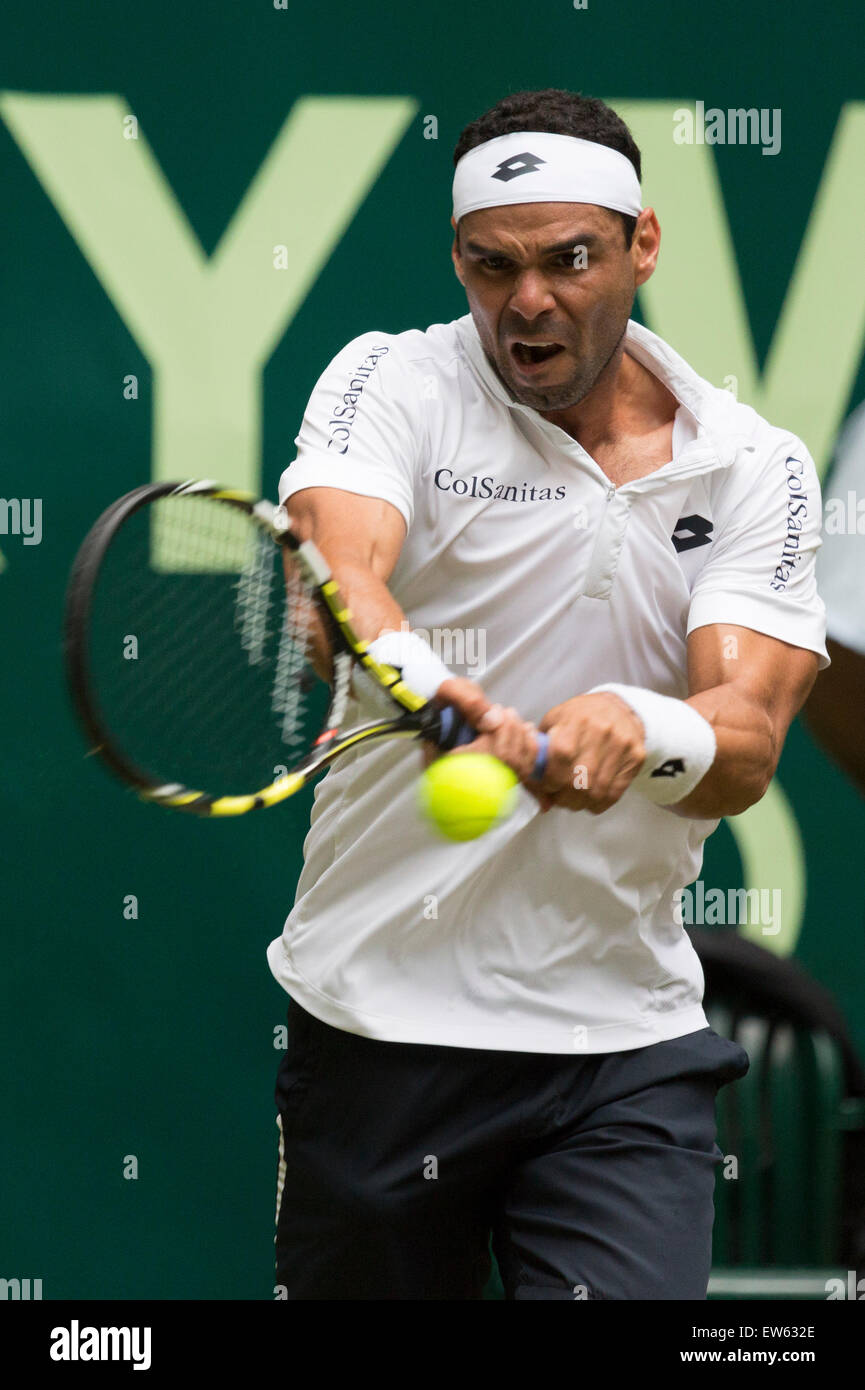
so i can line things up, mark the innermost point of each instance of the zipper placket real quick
(604, 560)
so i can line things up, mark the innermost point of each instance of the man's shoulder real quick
(733, 426)
(437, 344)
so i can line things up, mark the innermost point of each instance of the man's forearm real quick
(746, 757)
(360, 538)
(372, 605)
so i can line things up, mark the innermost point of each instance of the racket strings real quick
(201, 648)
(253, 603)
(293, 680)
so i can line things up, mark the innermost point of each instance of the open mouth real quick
(530, 354)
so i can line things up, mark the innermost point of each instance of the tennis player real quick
(505, 1039)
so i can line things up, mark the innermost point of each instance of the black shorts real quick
(593, 1174)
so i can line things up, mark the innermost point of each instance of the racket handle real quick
(540, 766)
(453, 731)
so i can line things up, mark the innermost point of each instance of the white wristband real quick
(421, 669)
(680, 743)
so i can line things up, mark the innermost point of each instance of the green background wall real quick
(154, 1037)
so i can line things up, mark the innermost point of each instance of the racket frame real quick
(417, 716)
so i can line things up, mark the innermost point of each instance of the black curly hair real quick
(560, 113)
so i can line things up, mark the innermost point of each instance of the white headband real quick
(537, 167)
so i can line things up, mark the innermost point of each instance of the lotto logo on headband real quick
(516, 165)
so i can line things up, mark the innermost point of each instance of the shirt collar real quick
(651, 352)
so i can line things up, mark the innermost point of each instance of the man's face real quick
(550, 287)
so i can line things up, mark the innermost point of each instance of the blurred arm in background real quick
(835, 711)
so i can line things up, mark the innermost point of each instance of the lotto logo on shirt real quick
(488, 487)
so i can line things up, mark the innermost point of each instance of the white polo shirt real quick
(530, 572)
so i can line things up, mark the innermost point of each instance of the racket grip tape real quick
(454, 731)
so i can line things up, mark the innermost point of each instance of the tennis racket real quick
(210, 656)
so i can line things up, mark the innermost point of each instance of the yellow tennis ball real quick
(466, 794)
